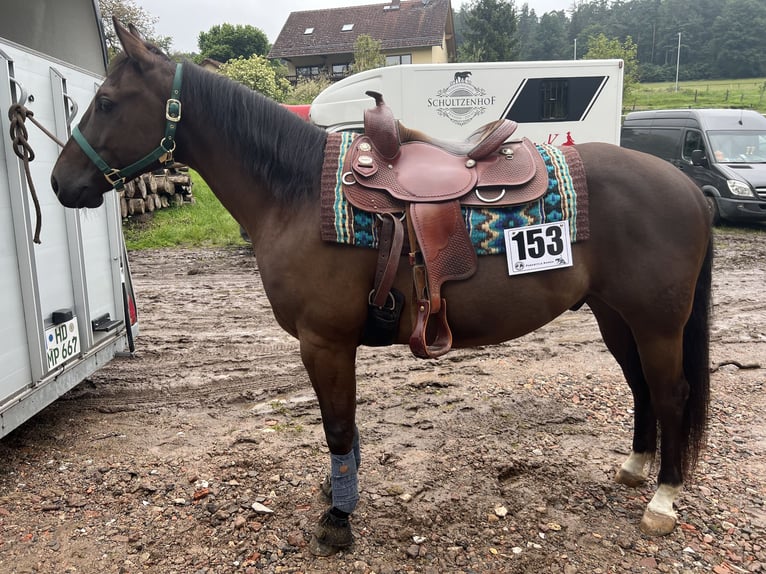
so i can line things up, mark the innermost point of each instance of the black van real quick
(723, 151)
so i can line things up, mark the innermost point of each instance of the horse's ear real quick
(132, 43)
(136, 32)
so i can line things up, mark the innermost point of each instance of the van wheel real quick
(715, 213)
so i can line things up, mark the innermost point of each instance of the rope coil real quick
(18, 114)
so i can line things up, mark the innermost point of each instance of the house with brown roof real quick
(316, 42)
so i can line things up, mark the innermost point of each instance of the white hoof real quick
(659, 517)
(629, 478)
(632, 471)
(656, 524)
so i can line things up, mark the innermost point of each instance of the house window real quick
(308, 31)
(307, 71)
(347, 28)
(554, 95)
(340, 70)
(398, 59)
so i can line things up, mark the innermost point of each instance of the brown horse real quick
(645, 270)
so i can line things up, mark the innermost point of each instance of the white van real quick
(67, 303)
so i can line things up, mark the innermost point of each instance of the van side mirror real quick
(699, 159)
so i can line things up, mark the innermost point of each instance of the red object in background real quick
(569, 141)
(300, 110)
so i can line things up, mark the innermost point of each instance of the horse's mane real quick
(276, 147)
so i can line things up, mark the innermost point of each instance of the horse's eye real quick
(104, 104)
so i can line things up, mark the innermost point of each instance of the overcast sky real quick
(183, 20)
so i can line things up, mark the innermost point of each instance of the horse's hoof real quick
(628, 478)
(330, 535)
(318, 548)
(655, 524)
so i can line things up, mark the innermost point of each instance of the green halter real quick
(163, 152)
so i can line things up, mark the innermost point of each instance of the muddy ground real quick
(498, 459)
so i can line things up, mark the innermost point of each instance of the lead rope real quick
(18, 114)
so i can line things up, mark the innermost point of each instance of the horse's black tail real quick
(696, 363)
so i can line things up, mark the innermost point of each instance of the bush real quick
(257, 74)
(306, 90)
(652, 73)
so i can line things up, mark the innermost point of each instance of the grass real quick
(203, 223)
(748, 93)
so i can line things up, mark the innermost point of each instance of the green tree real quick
(553, 39)
(258, 74)
(600, 47)
(489, 32)
(367, 54)
(226, 42)
(693, 19)
(127, 12)
(740, 54)
(528, 26)
(458, 22)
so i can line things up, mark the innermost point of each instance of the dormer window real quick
(308, 31)
(347, 28)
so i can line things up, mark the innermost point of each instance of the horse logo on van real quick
(462, 100)
(462, 76)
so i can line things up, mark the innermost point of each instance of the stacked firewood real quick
(156, 190)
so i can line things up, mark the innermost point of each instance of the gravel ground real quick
(204, 452)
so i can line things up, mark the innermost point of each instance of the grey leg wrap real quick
(345, 481)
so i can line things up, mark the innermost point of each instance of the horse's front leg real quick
(331, 368)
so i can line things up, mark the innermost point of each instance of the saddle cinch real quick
(404, 175)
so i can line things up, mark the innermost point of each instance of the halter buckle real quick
(114, 178)
(173, 110)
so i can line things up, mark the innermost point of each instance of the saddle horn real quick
(381, 126)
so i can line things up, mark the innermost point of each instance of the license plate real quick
(62, 342)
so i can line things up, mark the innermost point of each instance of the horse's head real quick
(123, 124)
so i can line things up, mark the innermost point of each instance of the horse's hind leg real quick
(662, 360)
(331, 370)
(652, 363)
(620, 342)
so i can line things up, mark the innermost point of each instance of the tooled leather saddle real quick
(406, 176)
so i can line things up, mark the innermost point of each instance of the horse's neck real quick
(256, 157)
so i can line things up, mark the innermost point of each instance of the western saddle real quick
(401, 174)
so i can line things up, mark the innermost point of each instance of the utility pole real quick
(678, 59)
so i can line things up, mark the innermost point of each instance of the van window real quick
(662, 142)
(554, 95)
(692, 140)
(740, 146)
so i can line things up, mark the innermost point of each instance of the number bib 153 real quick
(538, 247)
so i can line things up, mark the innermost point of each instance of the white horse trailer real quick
(555, 102)
(66, 304)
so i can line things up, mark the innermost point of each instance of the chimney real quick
(394, 5)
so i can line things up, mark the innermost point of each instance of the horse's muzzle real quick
(77, 196)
